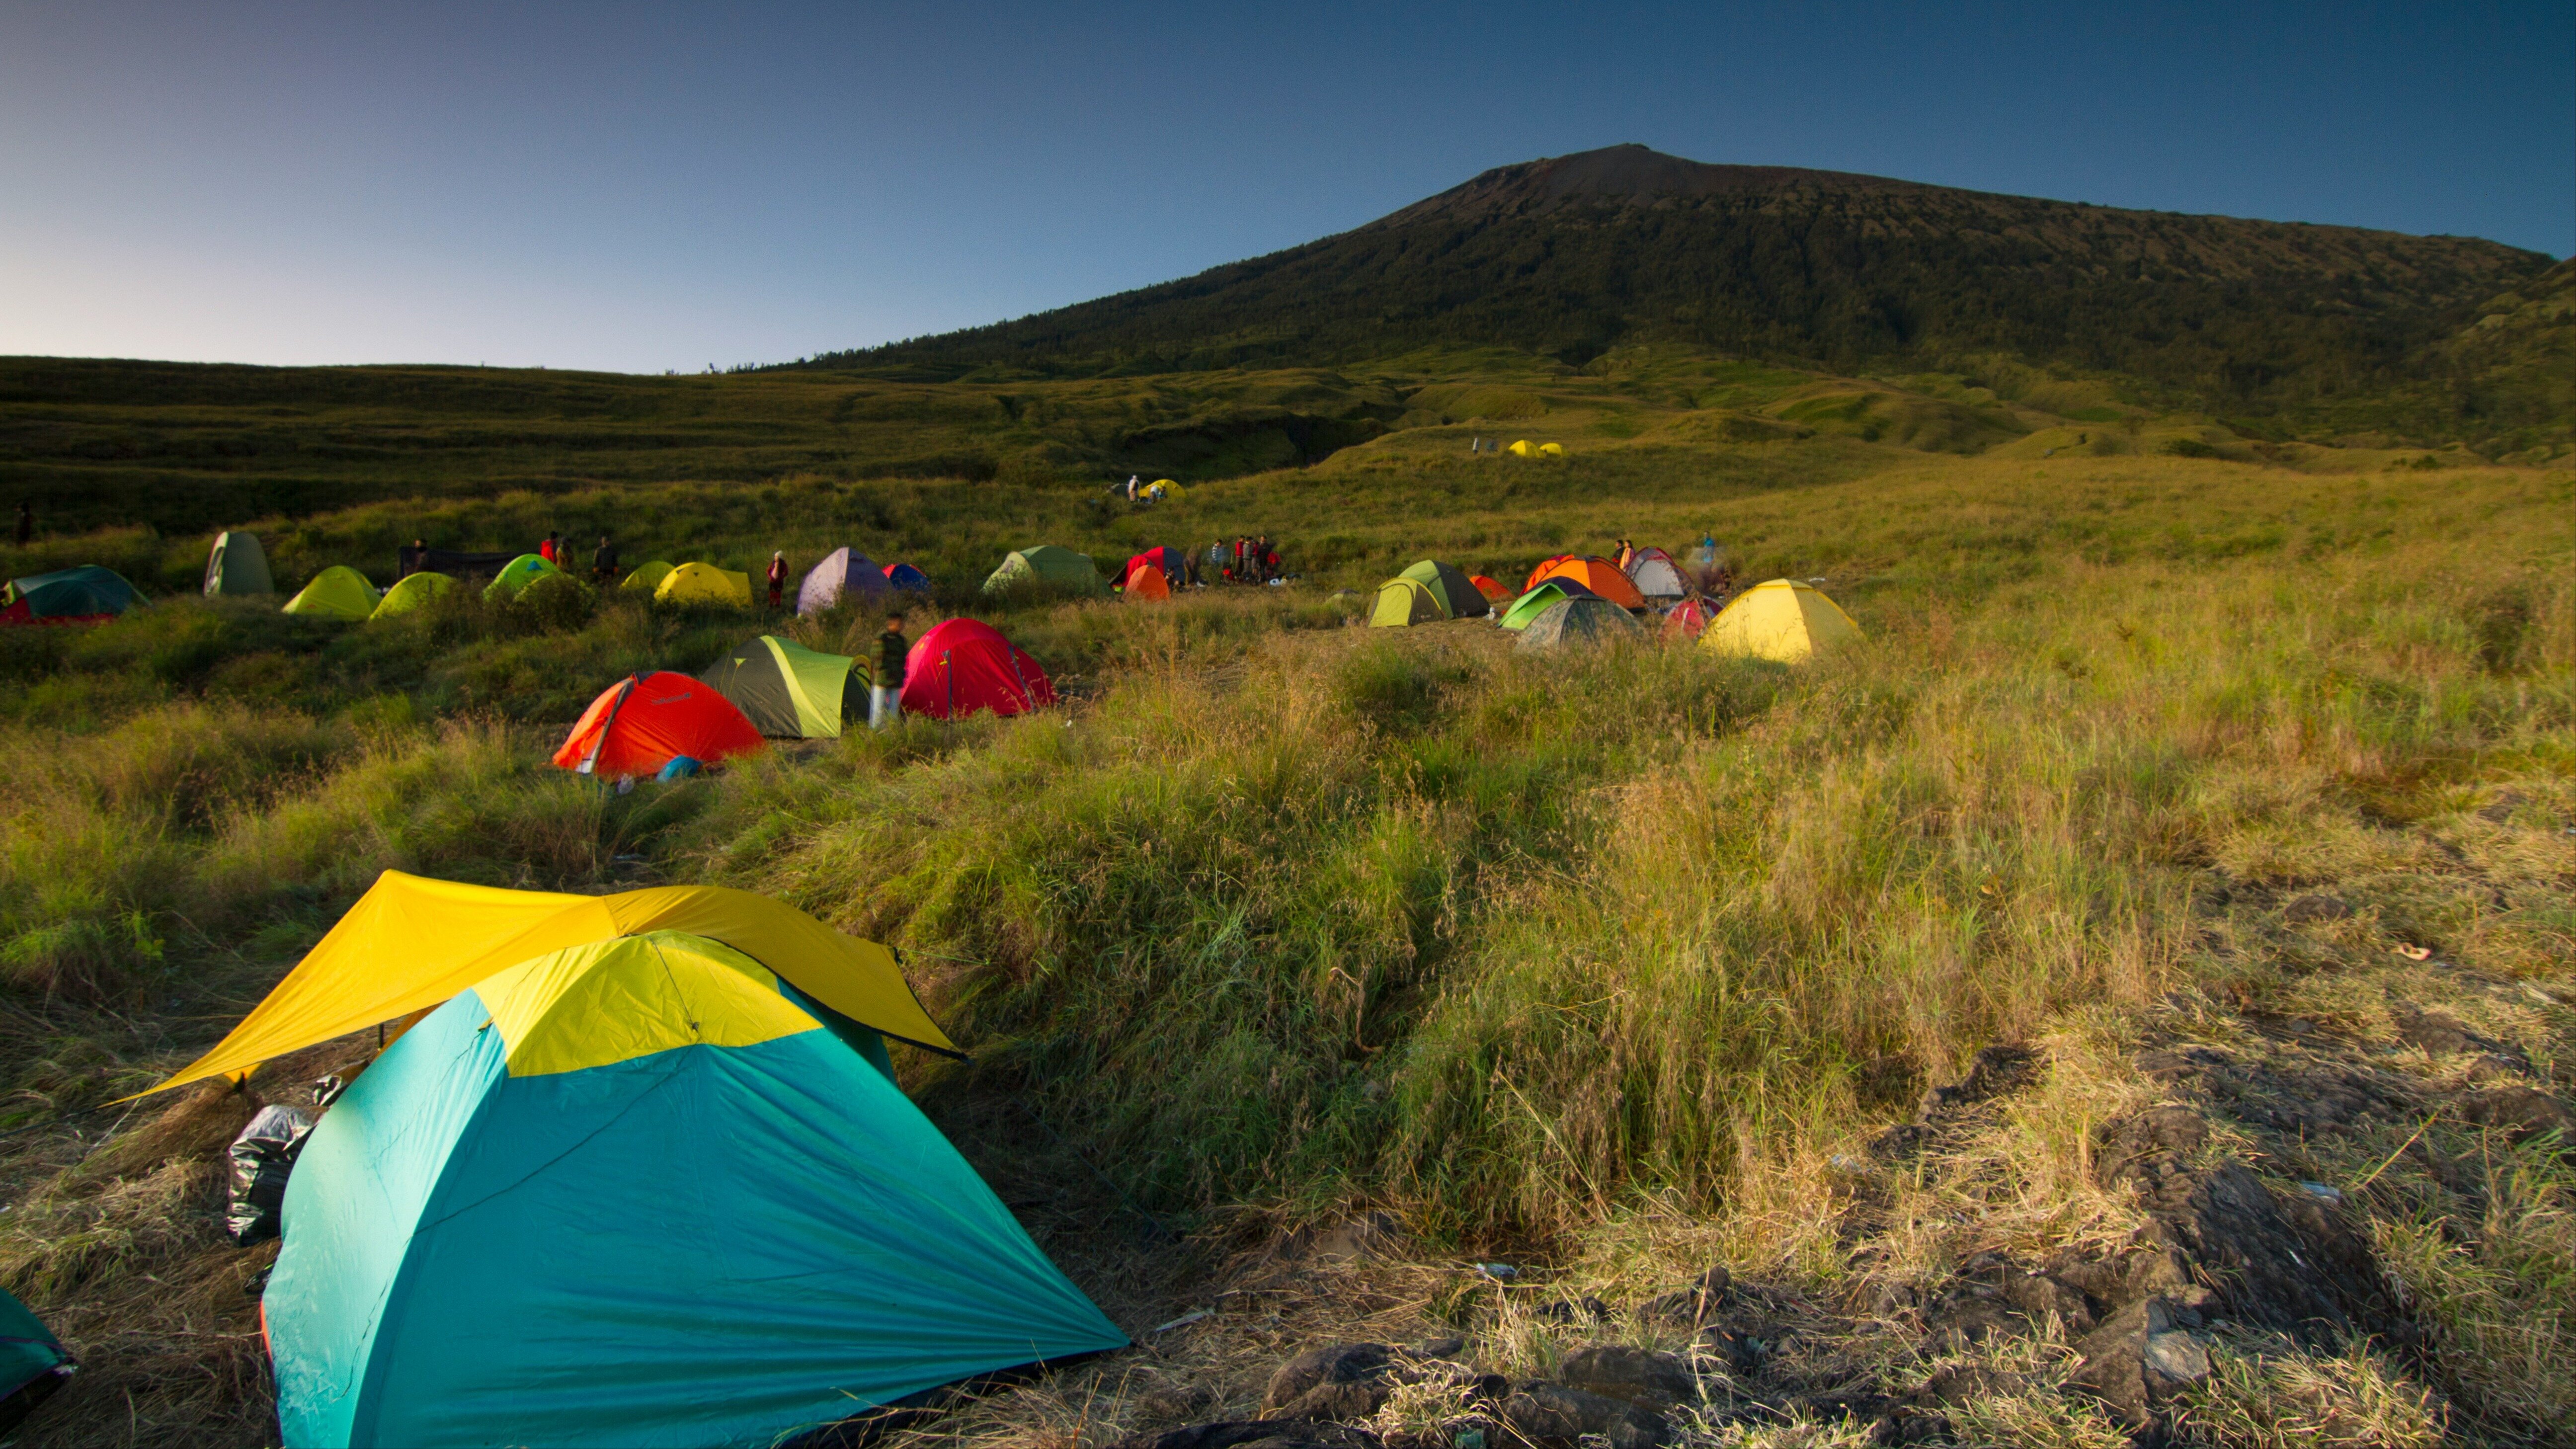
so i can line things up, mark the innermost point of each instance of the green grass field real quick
(1605, 959)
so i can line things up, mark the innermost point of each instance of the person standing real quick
(1216, 561)
(415, 558)
(603, 560)
(777, 576)
(885, 696)
(548, 550)
(26, 523)
(1131, 487)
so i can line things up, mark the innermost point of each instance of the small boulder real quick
(1639, 1376)
(2142, 1356)
(1553, 1414)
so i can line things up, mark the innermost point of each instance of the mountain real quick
(1571, 256)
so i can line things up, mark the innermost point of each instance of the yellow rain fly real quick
(1783, 619)
(411, 942)
(613, 1001)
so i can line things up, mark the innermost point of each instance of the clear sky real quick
(640, 186)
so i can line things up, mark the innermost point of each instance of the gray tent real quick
(1579, 622)
(237, 566)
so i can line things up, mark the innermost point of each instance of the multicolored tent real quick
(517, 574)
(1783, 620)
(1578, 621)
(1656, 575)
(704, 583)
(964, 665)
(1530, 605)
(788, 691)
(1171, 561)
(412, 592)
(1145, 582)
(84, 595)
(236, 565)
(338, 592)
(844, 572)
(1600, 575)
(643, 722)
(646, 576)
(1403, 603)
(905, 576)
(33, 1363)
(1459, 597)
(1047, 564)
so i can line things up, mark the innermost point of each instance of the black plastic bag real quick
(262, 1156)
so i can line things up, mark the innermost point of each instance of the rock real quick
(1692, 1306)
(2524, 1112)
(1255, 1434)
(2037, 1295)
(1337, 1381)
(1440, 1348)
(1640, 1376)
(2314, 909)
(1552, 1414)
(2142, 1356)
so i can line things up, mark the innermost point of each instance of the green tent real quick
(1402, 603)
(1047, 563)
(788, 691)
(33, 1363)
(68, 596)
(338, 592)
(515, 575)
(413, 591)
(1539, 600)
(1583, 621)
(237, 565)
(647, 576)
(1459, 597)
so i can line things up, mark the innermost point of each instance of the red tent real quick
(1166, 560)
(644, 720)
(1688, 617)
(962, 666)
(1492, 589)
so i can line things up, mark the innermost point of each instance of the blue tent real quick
(905, 576)
(76, 595)
(843, 572)
(640, 1192)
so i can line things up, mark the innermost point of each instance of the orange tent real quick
(644, 721)
(1146, 581)
(1540, 572)
(1599, 575)
(1493, 591)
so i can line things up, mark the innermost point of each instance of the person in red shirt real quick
(547, 550)
(777, 576)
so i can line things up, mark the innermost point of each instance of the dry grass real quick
(2270, 1395)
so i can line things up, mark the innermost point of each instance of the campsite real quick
(834, 728)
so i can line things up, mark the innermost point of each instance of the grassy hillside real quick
(1611, 963)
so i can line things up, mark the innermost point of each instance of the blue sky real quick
(641, 186)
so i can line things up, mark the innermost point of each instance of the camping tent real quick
(1551, 450)
(517, 574)
(1686, 619)
(1520, 448)
(789, 691)
(1599, 575)
(1781, 619)
(1653, 572)
(704, 583)
(83, 595)
(1049, 564)
(905, 576)
(1530, 605)
(338, 592)
(1170, 560)
(33, 1363)
(1403, 602)
(1459, 596)
(1540, 573)
(964, 665)
(1493, 590)
(455, 563)
(646, 576)
(411, 593)
(237, 565)
(1146, 582)
(843, 572)
(1578, 621)
(643, 722)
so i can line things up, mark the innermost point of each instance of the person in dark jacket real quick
(885, 697)
(26, 522)
(603, 560)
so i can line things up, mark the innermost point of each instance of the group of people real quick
(1249, 559)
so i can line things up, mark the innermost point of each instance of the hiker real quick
(885, 696)
(777, 576)
(1237, 575)
(1190, 571)
(1131, 487)
(1216, 561)
(26, 523)
(603, 560)
(414, 559)
(550, 551)
(1271, 571)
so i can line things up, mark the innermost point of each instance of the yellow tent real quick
(411, 943)
(338, 592)
(700, 583)
(647, 576)
(1520, 448)
(1553, 450)
(1783, 619)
